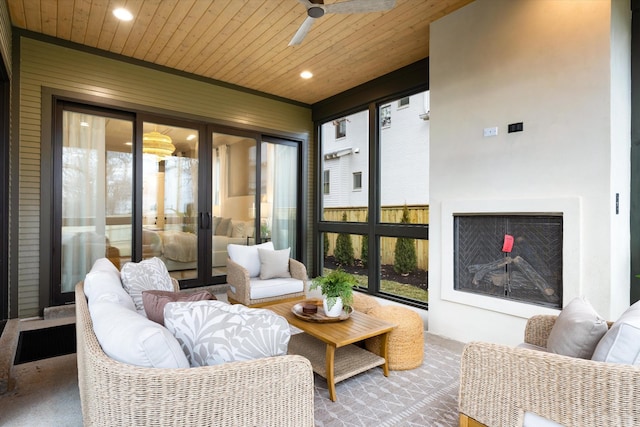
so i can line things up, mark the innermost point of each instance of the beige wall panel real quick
(46, 65)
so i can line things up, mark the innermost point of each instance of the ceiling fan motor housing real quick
(315, 12)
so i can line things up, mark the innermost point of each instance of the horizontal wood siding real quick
(5, 36)
(47, 65)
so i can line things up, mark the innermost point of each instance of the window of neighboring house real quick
(385, 116)
(341, 128)
(326, 182)
(344, 156)
(357, 180)
(403, 102)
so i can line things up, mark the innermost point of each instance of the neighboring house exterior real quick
(345, 149)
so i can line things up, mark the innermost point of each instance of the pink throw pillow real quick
(154, 301)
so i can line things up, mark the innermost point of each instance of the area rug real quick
(425, 396)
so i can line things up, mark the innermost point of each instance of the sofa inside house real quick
(178, 249)
(573, 370)
(146, 356)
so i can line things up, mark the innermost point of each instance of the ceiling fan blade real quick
(360, 6)
(302, 31)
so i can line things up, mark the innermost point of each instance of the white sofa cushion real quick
(148, 275)
(535, 420)
(621, 344)
(214, 332)
(130, 338)
(274, 287)
(103, 283)
(577, 330)
(247, 256)
(274, 263)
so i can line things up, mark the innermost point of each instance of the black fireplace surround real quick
(513, 257)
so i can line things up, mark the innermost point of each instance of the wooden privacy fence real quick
(418, 214)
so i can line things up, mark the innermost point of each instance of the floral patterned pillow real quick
(214, 332)
(148, 275)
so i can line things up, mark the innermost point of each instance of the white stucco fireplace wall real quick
(562, 68)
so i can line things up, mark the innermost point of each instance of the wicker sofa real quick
(270, 391)
(499, 384)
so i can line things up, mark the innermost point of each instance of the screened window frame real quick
(373, 227)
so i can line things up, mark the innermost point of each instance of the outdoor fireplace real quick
(512, 257)
(554, 264)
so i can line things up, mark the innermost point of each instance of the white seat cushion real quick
(534, 420)
(247, 256)
(274, 287)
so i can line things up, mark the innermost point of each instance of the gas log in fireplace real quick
(514, 257)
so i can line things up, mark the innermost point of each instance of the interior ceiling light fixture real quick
(158, 144)
(306, 74)
(317, 9)
(122, 14)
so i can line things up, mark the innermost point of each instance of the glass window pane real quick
(404, 264)
(279, 195)
(97, 171)
(404, 159)
(233, 189)
(345, 151)
(348, 252)
(170, 197)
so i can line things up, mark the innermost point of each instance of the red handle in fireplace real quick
(507, 246)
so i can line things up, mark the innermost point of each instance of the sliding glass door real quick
(170, 204)
(93, 207)
(279, 196)
(131, 186)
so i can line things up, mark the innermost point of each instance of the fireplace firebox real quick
(513, 257)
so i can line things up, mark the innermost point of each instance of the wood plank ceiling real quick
(245, 42)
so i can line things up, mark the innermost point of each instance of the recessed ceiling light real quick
(306, 74)
(191, 137)
(129, 143)
(84, 124)
(122, 14)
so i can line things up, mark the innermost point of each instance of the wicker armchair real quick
(274, 391)
(498, 384)
(238, 278)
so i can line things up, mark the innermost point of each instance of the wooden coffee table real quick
(341, 358)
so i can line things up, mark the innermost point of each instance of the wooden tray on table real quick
(319, 316)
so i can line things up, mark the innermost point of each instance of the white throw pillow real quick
(130, 338)
(247, 256)
(621, 344)
(106, 286)
(214, 332)
(148, 275)
(274, 263)
(103, 283)
(577, 330)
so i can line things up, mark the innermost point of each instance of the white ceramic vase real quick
(335, 311)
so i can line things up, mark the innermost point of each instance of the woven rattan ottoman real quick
(406, 341)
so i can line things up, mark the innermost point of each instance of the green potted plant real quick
(337, 290)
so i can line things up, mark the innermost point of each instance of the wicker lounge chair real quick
(498, 384)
